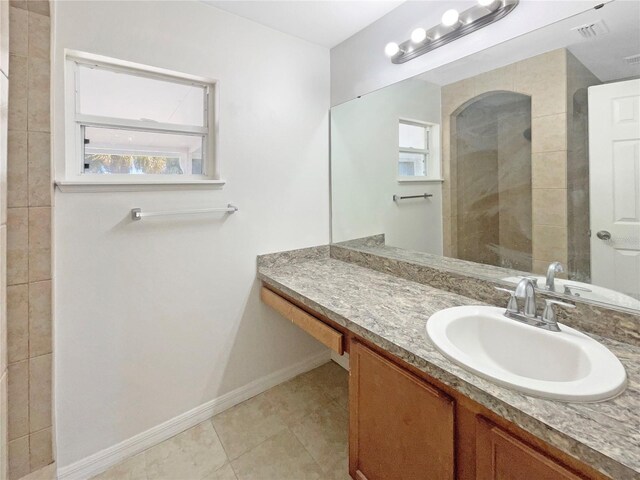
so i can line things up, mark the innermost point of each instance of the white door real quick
(614, 183)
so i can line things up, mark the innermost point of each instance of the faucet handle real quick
(568, 289)
(534, 280)
(512, 306)
(549, 315)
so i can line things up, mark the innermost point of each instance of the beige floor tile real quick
(190, 455)
(247, 425)
(332, 379)
(324, 435)
(131, 469)
(280, 458)
(18, 458)
(297, 398)
(338, 470)
(224, 473)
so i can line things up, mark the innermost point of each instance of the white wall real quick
(364, 168)
(359, 66)
(157, 317)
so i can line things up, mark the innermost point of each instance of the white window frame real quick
(74, 177)
(431, 152)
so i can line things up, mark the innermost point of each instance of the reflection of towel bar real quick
(424, 195)
(138, 214)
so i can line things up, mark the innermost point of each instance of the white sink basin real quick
(566, 365)
(586, 291)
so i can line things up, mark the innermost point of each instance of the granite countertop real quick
(391, 312)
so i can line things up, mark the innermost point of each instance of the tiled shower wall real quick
(558, 160)
(29, 240)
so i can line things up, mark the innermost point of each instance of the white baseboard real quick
(101, 461)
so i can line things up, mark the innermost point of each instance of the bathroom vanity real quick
(414, 414)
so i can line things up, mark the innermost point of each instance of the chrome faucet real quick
(526, 290)
(555, 267)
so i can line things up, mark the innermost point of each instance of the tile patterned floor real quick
(295, 431)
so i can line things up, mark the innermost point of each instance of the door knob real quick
(603, 235)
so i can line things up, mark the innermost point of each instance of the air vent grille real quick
(592, 30)
(633, 59)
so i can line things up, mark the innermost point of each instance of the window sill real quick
(420, 179)
(105, 186)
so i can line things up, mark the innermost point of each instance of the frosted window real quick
(412, 136)
(110, 93)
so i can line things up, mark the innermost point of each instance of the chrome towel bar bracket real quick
(138, 214)
(424, 195)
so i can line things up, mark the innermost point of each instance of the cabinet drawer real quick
(310, 324)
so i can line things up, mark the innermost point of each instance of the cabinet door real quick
(400, 427)
(502, 456)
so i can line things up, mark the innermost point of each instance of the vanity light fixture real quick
(454, 25)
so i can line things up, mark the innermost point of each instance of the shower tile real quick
(39, 34)
(543, 77)
(39, 163)
(499, 79)
(18, 400)
(38, 95)
(17, 245)
(17, 169)
(550, 243)
(40, 393)
(455, 94)
(39, 318)
(18, 322)
(17, 93)
(549, 133)
(39, 243)
(18, 31)
(550, 206)
(549, 170)
(19, 458)
(40, 449)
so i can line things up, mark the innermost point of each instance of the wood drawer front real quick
(502, 456)
(310, 324)
(400, 427)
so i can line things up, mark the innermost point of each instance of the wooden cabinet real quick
(400, 427)
(406, 425)
(502, 456)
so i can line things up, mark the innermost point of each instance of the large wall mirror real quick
(517, 157)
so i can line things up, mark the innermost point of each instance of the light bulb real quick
(391, 49)
(418, 35)
(450, 18)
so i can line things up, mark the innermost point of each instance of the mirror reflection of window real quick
(414, 148)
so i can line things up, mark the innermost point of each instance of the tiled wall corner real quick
(4, 354)
(29, 347)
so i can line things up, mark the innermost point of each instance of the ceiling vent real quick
(633, 59)
(592, 30)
